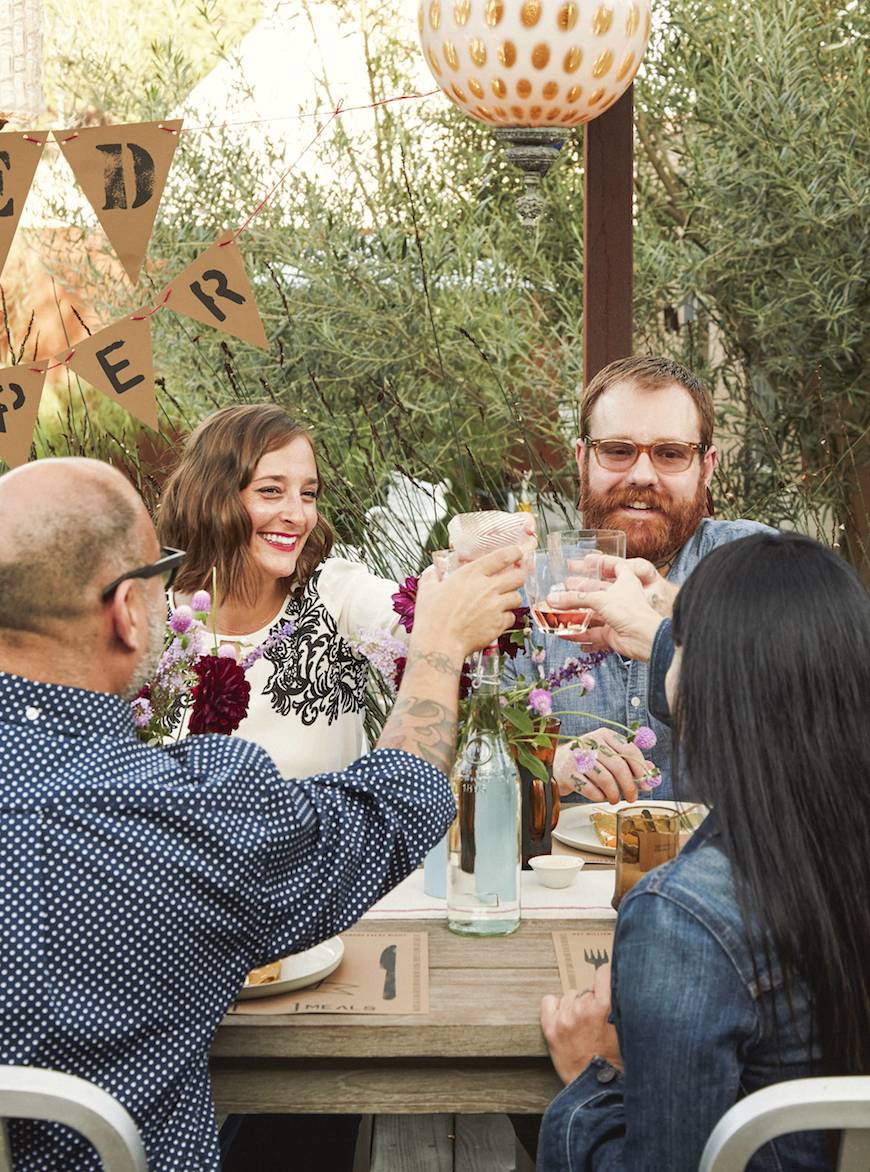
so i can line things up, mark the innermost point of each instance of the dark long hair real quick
(770, 716)
(201, 509)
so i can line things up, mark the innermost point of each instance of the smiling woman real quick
(243, 502)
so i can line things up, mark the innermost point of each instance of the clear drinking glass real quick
(647, 835)
(546, 575)
(610, 542)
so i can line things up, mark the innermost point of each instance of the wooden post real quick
(607, 237)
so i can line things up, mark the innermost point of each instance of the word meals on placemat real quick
(579, 954)
(381, 972)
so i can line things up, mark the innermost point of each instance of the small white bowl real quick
(555, 870)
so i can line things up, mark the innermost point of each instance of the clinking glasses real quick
(167, 565)
(617, 455)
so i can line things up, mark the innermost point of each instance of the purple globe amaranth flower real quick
(201, 602)
(404, 602)
(541, 701)
(539, 656)
(141, 711)
(585, 759)
(587, 681)
(228, 651)
(181, 620)
(644, 738)
(651, 781)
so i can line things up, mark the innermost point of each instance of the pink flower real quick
(141, 711)
(644, 738)
(587, 681)
(201, 602)
(404, 602)
(227, 651)
(541, 701)
(539, 656)
(181, 620)
(651, 781)
(585, 759)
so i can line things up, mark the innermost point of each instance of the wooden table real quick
(479, 1050)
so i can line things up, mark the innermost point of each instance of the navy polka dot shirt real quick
(139, 885)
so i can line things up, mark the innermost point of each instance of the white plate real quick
(301, 970)
(575, 829)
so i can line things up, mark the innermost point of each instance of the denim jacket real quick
(701, 1022)
(622, 685)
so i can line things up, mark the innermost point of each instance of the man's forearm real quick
(423, 720)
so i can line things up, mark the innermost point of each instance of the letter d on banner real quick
(214, 289)
(122, 170)
(20, 392)
(118, 362)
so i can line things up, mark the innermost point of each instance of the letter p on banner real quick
(20, 392)
(214, 289)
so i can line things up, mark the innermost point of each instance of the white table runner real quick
(587, 898)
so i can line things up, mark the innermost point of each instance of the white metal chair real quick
(28, 1092)
(804, 1104)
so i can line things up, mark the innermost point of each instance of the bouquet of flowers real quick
(194, 673)
(527, 704)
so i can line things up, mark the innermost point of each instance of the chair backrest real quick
(27, 1092)
(804, 1104)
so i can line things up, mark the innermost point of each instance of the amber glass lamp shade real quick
(548, 63)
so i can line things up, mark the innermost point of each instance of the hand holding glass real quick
(550, 601)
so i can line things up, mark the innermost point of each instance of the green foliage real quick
(419, 328)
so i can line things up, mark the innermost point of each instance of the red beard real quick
(657, 536)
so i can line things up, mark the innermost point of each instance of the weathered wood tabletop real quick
(480, 1049)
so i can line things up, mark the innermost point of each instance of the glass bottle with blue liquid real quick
(483, 844)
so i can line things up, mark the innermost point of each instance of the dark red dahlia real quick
(220, 696)
(404, 601)
(506, 645)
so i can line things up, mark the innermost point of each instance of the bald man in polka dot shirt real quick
(139, 885)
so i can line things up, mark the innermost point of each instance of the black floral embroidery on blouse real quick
(314, 672)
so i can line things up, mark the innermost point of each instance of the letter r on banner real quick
(214, 289)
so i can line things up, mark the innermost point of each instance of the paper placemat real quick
(588, 897)
(381, 972)
(579, 954)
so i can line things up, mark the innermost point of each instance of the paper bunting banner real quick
(122, 170)
(118, 362)
(19, 155)
(214, 290)
(20, 391)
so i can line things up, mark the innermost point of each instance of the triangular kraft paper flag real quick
(19, 156)
(214, 289)
(118, 362)
(20, 392)
(122, 170)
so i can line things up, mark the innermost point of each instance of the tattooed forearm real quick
(424, 728)
(437, 660)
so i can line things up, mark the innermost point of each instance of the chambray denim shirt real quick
(701, 1019)
(621, 690)
(696, 1032)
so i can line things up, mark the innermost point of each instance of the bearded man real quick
(645, 458)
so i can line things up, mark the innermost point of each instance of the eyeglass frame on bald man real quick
(595, 444)
(168, 564)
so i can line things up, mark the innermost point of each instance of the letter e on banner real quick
(118, 362)
(122, 170)
(20, 392)
(214, 289)
(19, 156)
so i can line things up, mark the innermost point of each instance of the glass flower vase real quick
(483, 850)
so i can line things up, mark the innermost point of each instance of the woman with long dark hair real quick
(743, 962)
